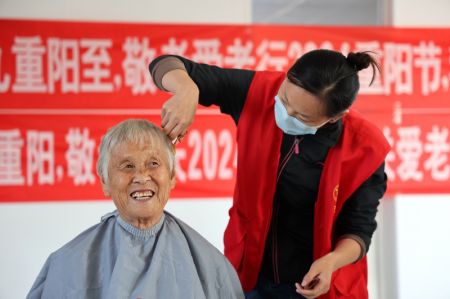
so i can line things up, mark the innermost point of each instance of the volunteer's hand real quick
(317, 281)
(178, 112)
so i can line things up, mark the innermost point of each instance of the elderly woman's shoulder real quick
(208, 259)
(193, 238)
(84, 240)
(187, 230)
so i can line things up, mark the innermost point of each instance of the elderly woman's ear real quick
(173, 181)
(105, 188)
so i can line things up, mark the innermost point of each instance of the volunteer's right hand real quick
(178, 112)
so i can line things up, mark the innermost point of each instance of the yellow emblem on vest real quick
(335, 197)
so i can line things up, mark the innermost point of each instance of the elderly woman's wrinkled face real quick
(139, 181)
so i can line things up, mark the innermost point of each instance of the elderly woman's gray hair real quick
(131, 130)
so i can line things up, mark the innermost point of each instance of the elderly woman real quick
(138, 251)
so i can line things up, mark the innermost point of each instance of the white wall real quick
(30, 232)
(409, 255)
(408, 258)
(420, 13)
(419, 239)
(155, 11)
(423, 246)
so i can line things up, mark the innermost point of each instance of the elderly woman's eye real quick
(129, 166)
(154, 163)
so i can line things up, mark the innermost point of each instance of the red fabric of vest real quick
(359, 152)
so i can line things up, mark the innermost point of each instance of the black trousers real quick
(266, 289)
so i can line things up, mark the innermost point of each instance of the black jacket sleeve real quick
(226, 88)
(357, 216)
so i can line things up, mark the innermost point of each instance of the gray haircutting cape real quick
(114, 259)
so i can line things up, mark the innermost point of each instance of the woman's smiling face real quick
(140, 181)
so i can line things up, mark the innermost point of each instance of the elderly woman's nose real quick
(142, 175)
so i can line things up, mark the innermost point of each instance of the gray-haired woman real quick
(138, 251)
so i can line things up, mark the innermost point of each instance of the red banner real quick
(63, 84)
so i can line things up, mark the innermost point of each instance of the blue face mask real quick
(290, 125)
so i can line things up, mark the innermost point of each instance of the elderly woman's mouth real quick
(142, 195)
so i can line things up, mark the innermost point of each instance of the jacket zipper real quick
(294, 149)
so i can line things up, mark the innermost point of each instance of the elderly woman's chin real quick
(139, 212)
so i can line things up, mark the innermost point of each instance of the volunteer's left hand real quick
(317, 281)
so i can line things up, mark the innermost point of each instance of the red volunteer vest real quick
(359, 152)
